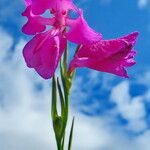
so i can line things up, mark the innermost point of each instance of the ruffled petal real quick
(105, 48)
(80, 32)
(101, 49)
(105, 65)
(35, 23)
(40, 6)
(110, 56)
(128, 60)
(43, 53)
(131, 38)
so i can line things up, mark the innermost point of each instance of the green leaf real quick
(61, 97)
(63, 141)
(54, 100)
(64, 80)
(71, 135)
(58, 125)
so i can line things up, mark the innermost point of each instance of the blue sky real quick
(108, 108)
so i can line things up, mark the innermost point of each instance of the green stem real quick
(59, 144)
(60, 122)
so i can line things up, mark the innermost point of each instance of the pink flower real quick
(43, 52)
(45, 49)
(110, 56)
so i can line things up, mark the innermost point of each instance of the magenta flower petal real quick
(110, 56)
(131, 38)
(43, 53)
(80, 32)
(104, 66)
(106, 48)
(40, 6)
(35, 23)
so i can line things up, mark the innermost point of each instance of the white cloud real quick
(142, 3)
(5, 43)
(25, 111)
(129, 108)
(143, 141)
(145, 78)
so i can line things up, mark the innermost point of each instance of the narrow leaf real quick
(54, 99)
(63, 141)
(61, 97)
(71, 135)
(63, 79)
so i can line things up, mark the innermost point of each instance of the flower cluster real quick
(44, 51)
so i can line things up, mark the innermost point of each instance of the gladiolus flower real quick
(43, 52)
(110, 56)
(45, 49)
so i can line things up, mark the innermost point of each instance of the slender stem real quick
(65, 60)
(59, 144)
(60, 122)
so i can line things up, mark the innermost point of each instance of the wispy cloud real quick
(143, 3)
(129, 107)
